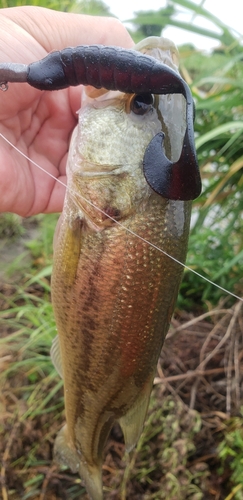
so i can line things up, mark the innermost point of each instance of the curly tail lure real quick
(128, 71)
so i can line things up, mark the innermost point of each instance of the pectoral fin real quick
(63, 452)
(56, 356)
(132, 423)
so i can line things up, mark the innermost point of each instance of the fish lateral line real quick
(188, 268)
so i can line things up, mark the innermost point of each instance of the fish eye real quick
(141, 103)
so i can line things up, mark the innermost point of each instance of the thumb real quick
(54, 30)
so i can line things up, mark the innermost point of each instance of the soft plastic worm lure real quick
(127, 71)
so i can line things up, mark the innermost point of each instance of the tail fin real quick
(92, 477)
(64, 454)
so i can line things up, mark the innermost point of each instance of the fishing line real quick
(121, 225)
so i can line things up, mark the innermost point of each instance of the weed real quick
(230, 452)
(162, 456)
(11, 226)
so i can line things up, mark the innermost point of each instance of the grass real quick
(230, 452)
(216, 245)
(162, 456)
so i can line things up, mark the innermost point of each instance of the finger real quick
(71, 29)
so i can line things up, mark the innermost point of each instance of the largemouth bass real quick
(113, 294)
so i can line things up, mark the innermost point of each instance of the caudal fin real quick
(92, 477)
(64, 454)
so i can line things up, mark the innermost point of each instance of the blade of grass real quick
(235, 167)
(201, 11)
(212, 134)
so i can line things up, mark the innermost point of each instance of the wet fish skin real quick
(113, 294)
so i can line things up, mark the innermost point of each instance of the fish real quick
(113, 295)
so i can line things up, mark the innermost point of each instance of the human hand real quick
(40, 123)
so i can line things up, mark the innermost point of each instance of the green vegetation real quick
(167, 17)
(231, 454)
(11, 226)
(91, 7)
(162, 455)
(216, 245)
(165, 461)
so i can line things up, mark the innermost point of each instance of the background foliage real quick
(216, 246)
